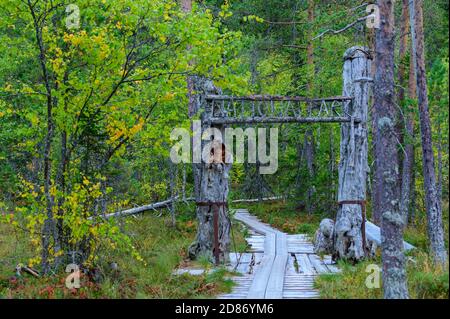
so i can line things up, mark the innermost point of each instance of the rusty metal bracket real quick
(216, 234)
(210, 203)
(215, 206)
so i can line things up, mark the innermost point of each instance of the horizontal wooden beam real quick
(275, 98)
(281, 119)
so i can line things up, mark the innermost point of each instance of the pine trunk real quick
(432, 202)
(406, 120)
(386, 154)
(309, 136)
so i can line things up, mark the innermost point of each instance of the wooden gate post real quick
(213, 233)
(353, 166)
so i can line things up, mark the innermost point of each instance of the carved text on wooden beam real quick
(277, 109)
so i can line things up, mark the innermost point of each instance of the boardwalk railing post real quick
(353, 166)
(213, 233)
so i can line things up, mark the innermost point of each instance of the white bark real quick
(353, 167)
(141, 209)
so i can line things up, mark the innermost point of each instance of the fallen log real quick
(141, 209)
(166, 203)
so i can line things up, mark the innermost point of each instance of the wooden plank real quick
(305, 264)
(327, 260)
(333, 269)
(301, 250)
(275, 275)
(301, 294)
(317, 264)
(275, 284)
(245, 258)
(259, 284)
(290, 265)
(261, 278)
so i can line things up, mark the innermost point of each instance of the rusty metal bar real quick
(216, 234)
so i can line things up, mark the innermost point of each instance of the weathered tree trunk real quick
(212, 194)
(173, 172)
(439, 151)
(408, 155)
(387, 170)
(210, 183)
(49, 227)
(353, 165)
(309, 136)
(432, 202)
(374, 189)
(410, 130)
(407, 172)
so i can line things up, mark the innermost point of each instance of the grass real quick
(162, 247)
(425, 281)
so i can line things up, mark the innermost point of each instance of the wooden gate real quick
(350, 110)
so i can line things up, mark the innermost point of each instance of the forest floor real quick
(162, 247)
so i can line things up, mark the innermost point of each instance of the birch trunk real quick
(353, 167)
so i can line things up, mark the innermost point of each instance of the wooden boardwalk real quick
(278, 266)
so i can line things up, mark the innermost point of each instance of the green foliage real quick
(106, 95)
(117, 87)
(161, 247)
